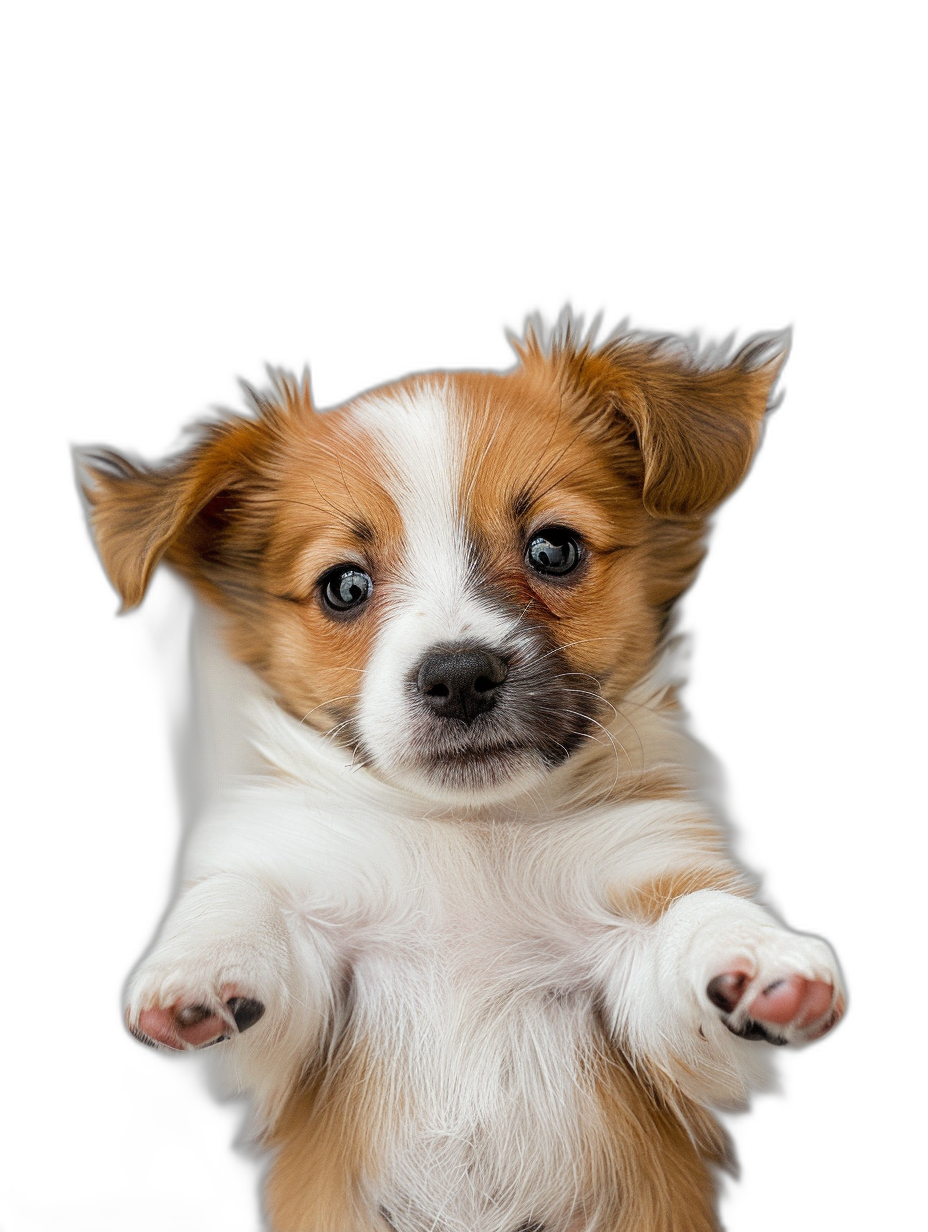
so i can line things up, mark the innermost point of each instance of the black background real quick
(142, 333)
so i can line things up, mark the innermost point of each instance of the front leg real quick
(227, 960)
(696, 988)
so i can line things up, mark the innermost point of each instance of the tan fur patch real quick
(329, 508)
(654, 1169)
(530, 464)
(651, 899)
(324, 1154)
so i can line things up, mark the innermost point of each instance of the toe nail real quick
(724, 991)
(751, 1030)
(192, 1014)
(218, 1040)
(245, 1011)
(136, 1033)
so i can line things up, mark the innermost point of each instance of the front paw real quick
(172, 1011)
(786, 992)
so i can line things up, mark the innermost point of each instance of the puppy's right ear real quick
(141, 514)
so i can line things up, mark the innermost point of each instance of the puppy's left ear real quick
(697, 424)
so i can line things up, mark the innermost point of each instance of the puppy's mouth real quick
(493, 727)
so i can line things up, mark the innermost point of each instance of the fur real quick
(505, 963)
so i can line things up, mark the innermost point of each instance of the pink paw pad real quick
(791, 1009)
(196, 1026)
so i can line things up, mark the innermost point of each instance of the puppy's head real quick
(456, 574)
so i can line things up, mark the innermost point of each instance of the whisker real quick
(599, 697)
(536, 496)
(578, 675)
(289, 500)
(340, 513)
(466, 501)
(341, 697)
(565, 475)
(337, 728)
(580, 641)
(538, 476)
(519, 617)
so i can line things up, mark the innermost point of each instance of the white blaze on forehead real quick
(421, 448)
(421, 434)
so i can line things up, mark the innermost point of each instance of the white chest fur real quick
(475, 1000)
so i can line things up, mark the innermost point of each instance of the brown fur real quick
(324, 1152)
(659, 1156)
(650, 900)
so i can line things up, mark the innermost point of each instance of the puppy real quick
(473, 942)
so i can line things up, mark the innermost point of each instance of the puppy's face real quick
(458, 575)
(491, 588)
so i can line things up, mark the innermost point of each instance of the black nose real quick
(460, 684)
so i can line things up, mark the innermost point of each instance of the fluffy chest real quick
(475, 1012)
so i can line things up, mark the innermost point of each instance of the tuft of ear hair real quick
(696, 417)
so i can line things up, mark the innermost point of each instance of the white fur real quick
(438, 601)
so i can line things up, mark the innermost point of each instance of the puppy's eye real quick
(555, 550)
(345, 587)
